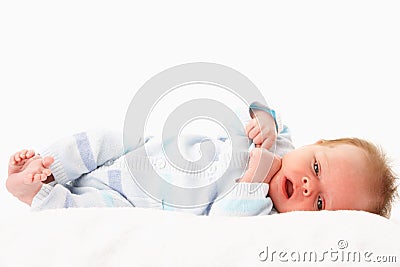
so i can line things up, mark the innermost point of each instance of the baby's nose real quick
(306, 186)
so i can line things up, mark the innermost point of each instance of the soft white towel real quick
(144, 237)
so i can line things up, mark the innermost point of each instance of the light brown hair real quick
(385, 183)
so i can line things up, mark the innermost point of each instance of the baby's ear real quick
(320, 142)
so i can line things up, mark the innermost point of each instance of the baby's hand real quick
(263, 165)
(262, 129)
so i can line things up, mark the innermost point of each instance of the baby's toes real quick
(29, 154)
(12, 160)
(39, 177)
(46, 172)
(17, 157)
(22, 154)
(35, 178)
(47, 161)
(31, 178)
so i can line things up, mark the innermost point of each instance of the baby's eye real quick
(320, 203)
(316, 168)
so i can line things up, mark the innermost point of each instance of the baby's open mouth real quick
(289, 188)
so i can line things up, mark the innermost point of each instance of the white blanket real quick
(144, 237)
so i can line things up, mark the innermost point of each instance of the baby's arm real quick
(26, 172)
(249, 195)
(262, 166)
(245, 199)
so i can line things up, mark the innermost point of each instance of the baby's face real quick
(317, 177)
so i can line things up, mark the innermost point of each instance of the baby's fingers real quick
(255, 134)
(258, 139)
(252, 123)
(267, 143)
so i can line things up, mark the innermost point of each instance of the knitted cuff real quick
(41, 195)
(250, 190)
(56, 168)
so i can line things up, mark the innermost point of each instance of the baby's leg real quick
(26, 175)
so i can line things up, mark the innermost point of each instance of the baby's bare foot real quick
(25, 183)
(18, 160)
(37, 170)
(28, 167)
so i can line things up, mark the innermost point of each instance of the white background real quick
(331, 68)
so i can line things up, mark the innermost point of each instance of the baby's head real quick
(340, 174)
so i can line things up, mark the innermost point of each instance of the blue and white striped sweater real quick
(91, 169)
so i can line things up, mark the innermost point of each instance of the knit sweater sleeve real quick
(245, 199)
(82, 153)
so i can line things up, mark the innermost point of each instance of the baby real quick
(89, 170)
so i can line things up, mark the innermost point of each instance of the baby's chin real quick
(275, 194)
(273, 187)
